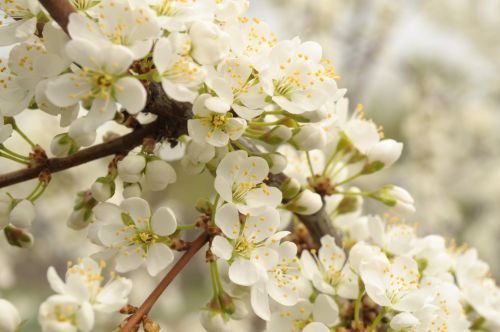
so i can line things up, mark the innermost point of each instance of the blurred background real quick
(427, 71)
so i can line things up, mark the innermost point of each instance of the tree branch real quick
(121, 144)
(146, 306)
(59, 10)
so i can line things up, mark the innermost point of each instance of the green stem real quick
(256, 123)
(14, 158)
(215, 279)
(309, 163)
(241, 147)
(376, 322)
(274, 113)
(250, 135)
(214, 209)
(23, 135)
(145, 76)
(330, 160)
(36, 195)
(355, 176)
(186, 227)
(13, 153)
(357, 304)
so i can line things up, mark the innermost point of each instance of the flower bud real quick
(103, 189)
(290, 188)
(309, 137)
(209, 43)
(9, 317)
(277, 135)
(79, 219)
(386, 151)
(306, 203)
(203, 205)
(23, 214)
(18, 237)
(132, 190)
(213, 321)
(279, 163)
(82, 211)
(396, 197)
(159, 174)
(83, 132)
(131, 167)
(63, 145)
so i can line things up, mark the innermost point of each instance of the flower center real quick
(102, 80)
(218, 120)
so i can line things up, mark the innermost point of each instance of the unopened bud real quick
(18, 237)
(132, 190)
(396, 197)
(203, 206)
(306, 203)
(63, 145)
(290, 188)
(386, 152)
(103, 189)
(309, 137)
(131, 167)
(159, 174)
(277, 135)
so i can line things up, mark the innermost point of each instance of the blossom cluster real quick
(282, 146)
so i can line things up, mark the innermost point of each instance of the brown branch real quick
(146, 306)
(59, 10)
(121, 144)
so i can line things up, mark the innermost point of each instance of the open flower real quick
(21, 20)
(101, 80)
(244, 245)
(236, 88)
(180, 75)
(240, 179)
(214, 127)
(134, 236)
(393, 284)
(306, 316)
(295, 78)
(328, 271)
(80, 296)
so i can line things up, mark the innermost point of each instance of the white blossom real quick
(134, 236)
(214, 127)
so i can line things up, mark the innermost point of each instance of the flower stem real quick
(7, 156)
(186, 227)
(13, 153)
(357, 304)
(241, 147)
(215, 276)
(355, 176)
(23, 135)
(37, 192)
(309, 163)
(214, 209)
(376, 322)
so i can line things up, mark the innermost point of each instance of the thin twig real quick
(120, 144)
(59, 10)
(146, 306)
